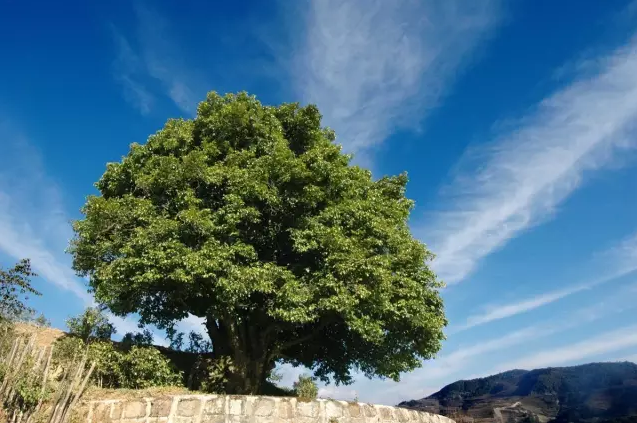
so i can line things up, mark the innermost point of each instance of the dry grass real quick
(95, 393)
(44, 337)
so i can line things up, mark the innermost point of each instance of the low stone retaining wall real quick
(249, 409)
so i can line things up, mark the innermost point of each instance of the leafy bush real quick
(108, 364)
(140, 367)
(146, 367)
(28, 388)
(66, 350)
(305, 388)
(217, 373)
(29, 393)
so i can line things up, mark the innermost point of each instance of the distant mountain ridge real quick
(596, 392)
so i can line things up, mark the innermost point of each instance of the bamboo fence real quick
(26, 360)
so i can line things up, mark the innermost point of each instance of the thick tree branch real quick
(280, 348)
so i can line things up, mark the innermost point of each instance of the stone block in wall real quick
(369, 410)
(412, 414)
(236, 406)
(160, 407)
(285, 408)
(213, 418)
(354, 409)
(134, 410)
(116, 411)
(215, 406)
(386, 414)
(307, 409)
(188, 407)
(102, 412)
(264, 407)
(334, 410)
(402, 415)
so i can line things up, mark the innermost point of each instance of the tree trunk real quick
(246, 349)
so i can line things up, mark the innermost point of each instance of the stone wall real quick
(249, 409)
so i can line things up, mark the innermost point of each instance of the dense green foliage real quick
(92, 325)
(139, 339)
(15, 287)
(579, 393)
(135, 367)
(23, 391)
(250, 217)
(144, 367)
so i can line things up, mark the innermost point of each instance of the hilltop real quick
(596, 392)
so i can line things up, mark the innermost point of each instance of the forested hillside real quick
(591, 392)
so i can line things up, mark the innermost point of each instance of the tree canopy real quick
(15, 288)
(251, 217)
(91, 325)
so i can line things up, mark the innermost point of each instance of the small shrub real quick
(305, 388)
(28, 392)
(215, 376)
(42, 322)
(66, 350)
(28, 389)
(108, 364)
(145, 367)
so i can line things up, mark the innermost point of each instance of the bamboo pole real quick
(79, 393)
(60, 392)
(59, 412)
(43, 389)
(15, 369)
(14, 348)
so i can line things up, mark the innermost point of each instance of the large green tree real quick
(250, 217)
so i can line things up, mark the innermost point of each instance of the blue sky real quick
(516, 122)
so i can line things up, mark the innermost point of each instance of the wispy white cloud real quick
(531, 167)
(450, 366)
(617, 301)
(153, 55)
(33, 223)
(129, 72)
(495, 312)
(372, 66)
(625, 337)
(623, 259)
